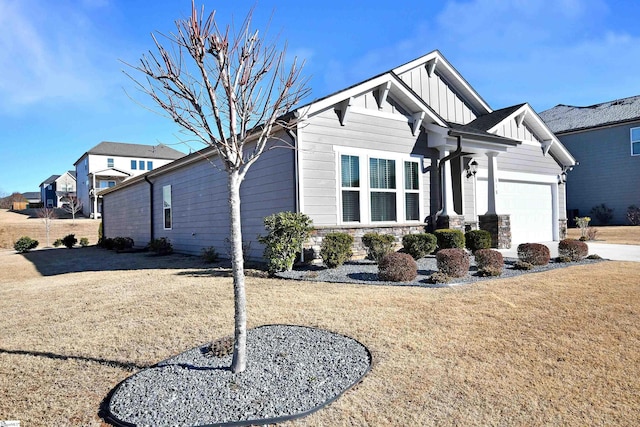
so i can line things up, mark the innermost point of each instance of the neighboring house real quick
(110, 163)
(55, 190)
(394, 154)
(34, 199)
(605, 140)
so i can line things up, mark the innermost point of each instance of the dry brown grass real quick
(560, 347)
(15, 225)
(621, 235)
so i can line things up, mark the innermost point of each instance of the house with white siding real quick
(415, 147)
(56, 189)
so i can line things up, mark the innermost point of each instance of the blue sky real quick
(62, 89)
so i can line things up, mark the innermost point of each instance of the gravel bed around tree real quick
(366, 272)
(291, 372)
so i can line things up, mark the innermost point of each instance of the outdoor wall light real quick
(472, 168)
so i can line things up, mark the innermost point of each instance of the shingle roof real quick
(32, 195)
(159, 151)
(49, 180)
(566, 118)
(487, 121)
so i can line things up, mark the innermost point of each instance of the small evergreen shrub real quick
(287, 232)
(489, 261)
(378, 245)
(161, 246)
(594, 256)
(69, 240)
(522, 265)
(336, 249)
(122, 243)
(534, 253)
(58, 242)
(210, 255)
(419, 245)
(439, 277)
(25, 244)
(84, 242)
(633, 215)
(453, 262)
(575, 250)
(397, 267)
(477, 239)
(449, 238)
(107, 242)
(563, 259)
(602, 213)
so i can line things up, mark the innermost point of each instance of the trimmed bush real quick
(633, 215)
(419, 245)
(575, 250)
(534, 253)
(378, 245)
(69, 240)
(287, 232)
(594, 256)
(84, 242)
(161, 246)
(336, 249)
(210, 255)
(439, 277)
(107, 243)
(522, 265)
(397, 267)
(122, 243)
(563, 259)
(489, 261)
(449, 238)
(57, 242)
(602, 213)
(453, 262)
(25, 244)
(477, 239)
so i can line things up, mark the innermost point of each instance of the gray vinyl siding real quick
(317, 138)
(607, 172)
(438, 95)
(126, 214)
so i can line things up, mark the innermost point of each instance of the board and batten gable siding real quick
(510, 129)
(322, 135)
(607, 172)
(438, 95)
(127, 214)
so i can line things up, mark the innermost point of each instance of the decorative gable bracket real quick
(417, 121)
(520, 118)
(342, 110)
(431, 66)
(381, 92)
(546, 146)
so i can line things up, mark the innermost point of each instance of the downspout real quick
(151, 228)
(453, 155)
(296, 177)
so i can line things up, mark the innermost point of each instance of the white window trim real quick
(164, 224)
(631, 141)
(365, 191)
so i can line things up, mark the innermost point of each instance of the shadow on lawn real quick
(129, 366)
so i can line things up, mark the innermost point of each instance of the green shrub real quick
(107, 242)
(453, 262)
(336, 249)
(575, 250)
(378, 245)
(489, 261)
(122, 243)
(287, 232)
(25, 244)
(449, 238)
(419, 245)
(161, 246)
(69, 240)
(477, 239)
(534, 253)
(439, 277)
(633, 215)
(84, 242)
(210, 255)
(522, 265)
(58, 242)
(397, 267)
(602, 213)
(594, 256)
(563, 259)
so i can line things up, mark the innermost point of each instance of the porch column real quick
(492, 183)
(95, 198)
(447, 187)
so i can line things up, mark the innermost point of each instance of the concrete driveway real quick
(605, 250)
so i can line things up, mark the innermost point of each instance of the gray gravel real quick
(366, 272)
(291, 371)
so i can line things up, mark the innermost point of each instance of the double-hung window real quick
(382, 181)
(635, 141)
(411, 191)
(134, 164)
(109, 162)
(166, 207)
(350, 171)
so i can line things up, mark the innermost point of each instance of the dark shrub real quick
(633, 215)
(573, 249)
(287, 232)
(563, 259)
(477, 239)
(122, 243)
(397, 267)
(534, 253)
(449, 238)
(25, 244)
(69, 240)
(602, 213)
(453, 262)
(57, 243)
(161, 246)
(378, 245)
(522, 265)
(107, 243)
(336, 249)
(439, 277)
(594, 256)
(419, 245)
(489, 261)
(210, 255)
(84, 242)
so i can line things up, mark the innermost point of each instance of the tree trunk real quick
(239, 362)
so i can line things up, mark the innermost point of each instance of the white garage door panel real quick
(529, 205)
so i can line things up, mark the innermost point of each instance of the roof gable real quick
(123, 149)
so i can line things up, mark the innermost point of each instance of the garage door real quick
(530, 206)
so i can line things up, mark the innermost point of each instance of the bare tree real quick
(229, 89)
(47, 215)
(72, 205)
